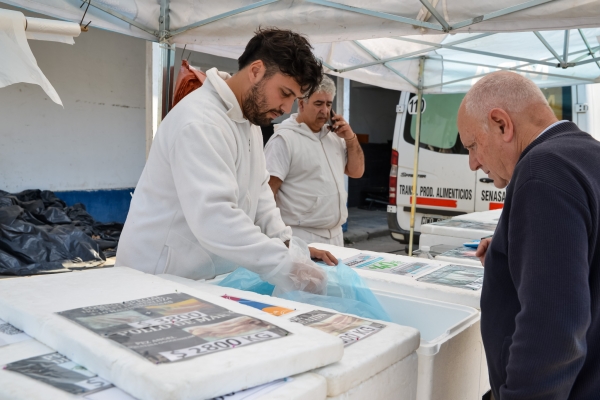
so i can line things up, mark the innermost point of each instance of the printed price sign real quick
(173, 327)
(348, 328)
(57, 370)
(459, 276)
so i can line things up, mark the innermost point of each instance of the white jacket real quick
(312, 195)
(203, 205)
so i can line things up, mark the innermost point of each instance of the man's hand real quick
(341, 127)
(355, 165)
(323, 255)
(482, 249)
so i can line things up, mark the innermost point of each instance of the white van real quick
(446, 187)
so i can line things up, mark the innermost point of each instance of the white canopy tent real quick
(380, 44)
(424, 46)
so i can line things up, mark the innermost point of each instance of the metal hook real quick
(85, 28)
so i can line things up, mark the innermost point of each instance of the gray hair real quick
(506, 90)
(326, 86)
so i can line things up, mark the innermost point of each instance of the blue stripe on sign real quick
(107, 205)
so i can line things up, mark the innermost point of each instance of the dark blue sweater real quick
(540, 304)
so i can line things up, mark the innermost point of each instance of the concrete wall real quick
(97, 141)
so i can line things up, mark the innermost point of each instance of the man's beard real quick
(254, 106)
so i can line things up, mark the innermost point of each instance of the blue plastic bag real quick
(346, 291)
(244, 279)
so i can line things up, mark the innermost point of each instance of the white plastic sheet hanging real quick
(18, 63)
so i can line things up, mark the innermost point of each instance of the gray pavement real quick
(365, 224)
(368, 230)
(383, 244)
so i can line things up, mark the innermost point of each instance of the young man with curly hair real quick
(203, 205)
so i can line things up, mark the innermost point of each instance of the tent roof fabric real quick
(352, 38)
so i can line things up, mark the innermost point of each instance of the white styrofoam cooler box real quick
(439, 233)
(427, 240)
(306, 386)
(486, 217)
(457, 260)
(404, 284)
(382, 366)
(30, 304)
(452, 363)
(456, 256)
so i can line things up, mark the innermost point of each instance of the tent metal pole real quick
(499, 13)
(413, 199)
(483, 53)
(436, 15)
(394, 70)
(121, 17)
(167, 51)
(545, 43)
(328, 65)
(588, 61)
(377, 14)
(566, 46)
(445, 27)
(508, 69)
(411, 54)
(570, 54)
(588, 46)
(222, 16)
(519, 68)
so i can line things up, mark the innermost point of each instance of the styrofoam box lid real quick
(361, 360)
(490, 217)
(16, 386)
(429, 240)
(404, 284)
(456, 260)
(465, 233)
(30, 304)
(306, 386)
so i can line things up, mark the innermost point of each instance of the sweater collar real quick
(217, 79)
(300, 127)
(549, 133)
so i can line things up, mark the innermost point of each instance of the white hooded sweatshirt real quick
(203, 205)
(312, 195)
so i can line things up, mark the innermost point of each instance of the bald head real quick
(508, 91)
(498, 118)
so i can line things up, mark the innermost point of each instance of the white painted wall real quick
(98, 140)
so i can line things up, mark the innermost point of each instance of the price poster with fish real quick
(57, 370)
(348, 328)
(173, 327)
(459, 276)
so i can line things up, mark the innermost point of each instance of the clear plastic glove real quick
(299, 272)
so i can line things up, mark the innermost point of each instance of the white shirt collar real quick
(217, 79)
(550, 127)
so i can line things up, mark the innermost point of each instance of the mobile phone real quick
(331, 116)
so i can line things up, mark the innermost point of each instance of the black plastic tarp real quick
(40, 234)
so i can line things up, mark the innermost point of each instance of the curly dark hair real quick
(287, 52)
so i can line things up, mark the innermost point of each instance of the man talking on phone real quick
(307, 157)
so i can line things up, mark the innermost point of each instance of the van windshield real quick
(438, 123)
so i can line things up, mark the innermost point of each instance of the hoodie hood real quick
(301, 128)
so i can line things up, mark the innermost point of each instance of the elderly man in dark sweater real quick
(540, 304)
